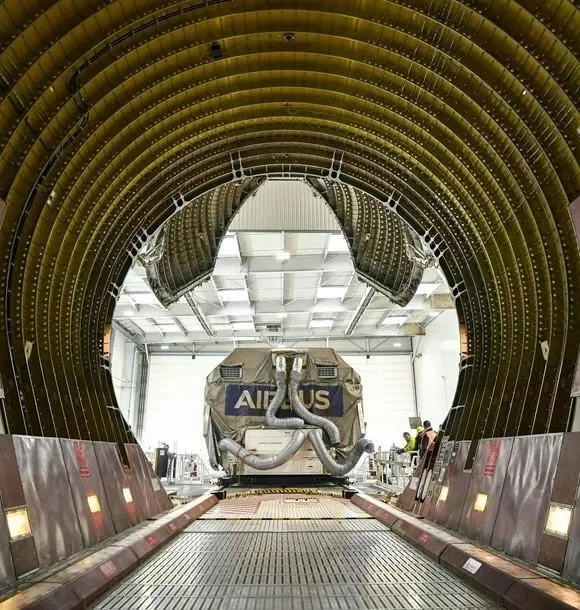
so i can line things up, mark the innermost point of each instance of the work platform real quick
(290, 552)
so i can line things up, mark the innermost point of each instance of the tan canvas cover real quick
(233, 406)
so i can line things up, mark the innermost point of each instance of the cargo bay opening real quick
(458, 118)
(286, 280)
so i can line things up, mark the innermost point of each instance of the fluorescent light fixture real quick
(127, 495)
(330, 292)
(558, 521)
(397, 344)
(480, 502)
(94, 505)
(282, 256)
(282, 315)
(444, 493)
(433, 314)
(165, 347)
(233, 296)
(243, 325)
(393, 321)
(229, 247)
(426, 287)
(337, 243)
(18, 523)
(128, 312)
(321, 323)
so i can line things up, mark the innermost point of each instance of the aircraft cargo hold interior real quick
(290, 306)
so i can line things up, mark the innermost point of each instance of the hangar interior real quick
(423, 157)
(279, 282)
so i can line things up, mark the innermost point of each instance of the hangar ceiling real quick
(280, 277)
(460, 117)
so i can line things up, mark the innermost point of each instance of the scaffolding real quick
(394, 468)
(190, 468)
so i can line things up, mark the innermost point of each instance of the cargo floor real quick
(293, 553)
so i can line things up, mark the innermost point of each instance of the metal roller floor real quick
(235, 558)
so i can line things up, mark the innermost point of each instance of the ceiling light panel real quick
(330, 292)
(243, 325)
(337, 243)
(229, 247)
(268, 282)
(321, 323)
(308, 243)
(426, 288)
(260, 244)
(393, 321)
(233, 296)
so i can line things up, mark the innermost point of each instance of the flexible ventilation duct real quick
(362, 446)
(272, 421)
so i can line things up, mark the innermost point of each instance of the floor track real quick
(288, 563)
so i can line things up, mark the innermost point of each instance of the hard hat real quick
(420, 429)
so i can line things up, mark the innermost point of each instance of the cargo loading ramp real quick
(290, 552)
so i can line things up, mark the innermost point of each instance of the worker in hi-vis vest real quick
(410, 444)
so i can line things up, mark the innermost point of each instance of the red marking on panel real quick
(423, 537)
(151, 540)
(81, 457)
(109, 569)
(172, 526)
(492, 456)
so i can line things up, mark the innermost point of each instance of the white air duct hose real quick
(362, 446)
(261, 462)
(277, 423)
(314, 420)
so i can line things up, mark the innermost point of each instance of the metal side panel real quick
(88, 491)
(124, 512)
(523, 508)
(355, 565)
(163, 500)
(571, 569)
(487, 478)
(553, 548)
(144, 493)
(448, 512)
(7, 575)
(53, 517)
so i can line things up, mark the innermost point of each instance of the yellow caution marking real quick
(306, 491)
